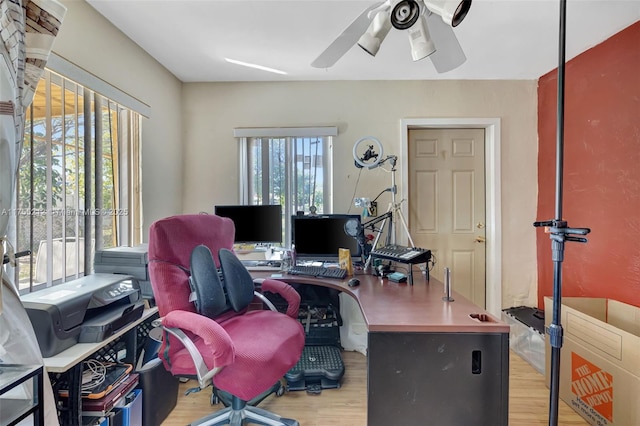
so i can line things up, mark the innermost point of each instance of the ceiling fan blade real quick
(449, 54)
(345, 40)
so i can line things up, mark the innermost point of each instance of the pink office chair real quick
(210, 333)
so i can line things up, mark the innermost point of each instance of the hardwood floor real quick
(528, 400)
(529, 397)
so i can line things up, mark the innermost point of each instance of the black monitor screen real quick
(254, 224)
(320, 237)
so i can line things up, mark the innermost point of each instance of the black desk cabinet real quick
(438, 379)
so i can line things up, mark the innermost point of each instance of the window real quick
(287, 166)
(78, 182)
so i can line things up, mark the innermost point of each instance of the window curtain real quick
(27, 32)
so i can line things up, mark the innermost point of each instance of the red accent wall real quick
(601, 170)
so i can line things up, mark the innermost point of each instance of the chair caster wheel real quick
(214, 399)
(281, 390)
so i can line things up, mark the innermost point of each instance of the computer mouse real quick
(354, 282)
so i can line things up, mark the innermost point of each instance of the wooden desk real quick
(429, 361)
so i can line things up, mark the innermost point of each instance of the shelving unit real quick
(67, 365)
(16, 404)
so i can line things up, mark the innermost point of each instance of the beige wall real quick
(359, 108)
(89, 41)
(190, 157)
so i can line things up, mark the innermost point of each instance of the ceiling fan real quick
(428, 23)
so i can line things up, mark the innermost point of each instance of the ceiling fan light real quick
(405, 14)
(371, 40)
(451, 11)
(420, 40)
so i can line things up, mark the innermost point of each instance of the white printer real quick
(126, 260)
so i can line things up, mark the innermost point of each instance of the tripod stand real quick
(394, 211)
(559, 232)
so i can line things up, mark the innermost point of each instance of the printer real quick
(126, 260)
(86, 310)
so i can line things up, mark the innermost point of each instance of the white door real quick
(447, 204)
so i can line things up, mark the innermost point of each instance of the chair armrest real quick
(287, 292)
(203, 373)
(218, 349)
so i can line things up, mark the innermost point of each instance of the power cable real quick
(355, 189)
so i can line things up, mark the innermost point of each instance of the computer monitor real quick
(254, 224)
(320, 237)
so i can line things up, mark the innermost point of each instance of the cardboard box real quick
(600, 359)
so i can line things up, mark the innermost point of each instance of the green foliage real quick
(37, 172)
(308, 183)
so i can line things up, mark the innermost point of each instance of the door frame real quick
(493, 201)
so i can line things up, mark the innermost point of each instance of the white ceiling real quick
(503, 39)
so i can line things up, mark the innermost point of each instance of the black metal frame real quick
(70, 413)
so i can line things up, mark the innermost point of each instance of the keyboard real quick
(402, 254)
(318, 271)
(262, 263)
(263, 268)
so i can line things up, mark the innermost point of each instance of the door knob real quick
(480, 239)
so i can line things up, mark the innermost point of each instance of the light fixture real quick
(452, 12)
(420, 40)
(258, 67)
(370, 28)
(378, 29)
(405, 13)
(369, 158)
(402, 15)
(409, 15)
